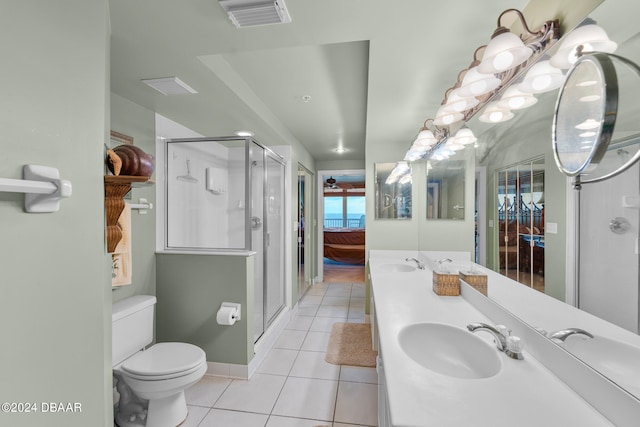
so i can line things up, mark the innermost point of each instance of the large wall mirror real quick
(520, 230)
(445, 189)
(393, 190)
(545, 233)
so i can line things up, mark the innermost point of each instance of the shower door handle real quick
(256, 223)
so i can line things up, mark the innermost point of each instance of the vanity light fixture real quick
(475, 83)
(445, 118)
(506, 56)
(506, 50)
(464, 136)
(542, 77)
(340, 150)
(495, 114)
(514, 99)
(586, 38)
(456, 103)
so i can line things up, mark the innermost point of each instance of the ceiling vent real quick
(170, 86)
(250, 13)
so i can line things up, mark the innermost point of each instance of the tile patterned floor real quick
(294, 386)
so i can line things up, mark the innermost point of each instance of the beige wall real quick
(55, 304)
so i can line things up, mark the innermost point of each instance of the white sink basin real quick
(398, 268)
(619, 361)
(449, 350)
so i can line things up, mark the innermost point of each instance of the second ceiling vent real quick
(248, 13)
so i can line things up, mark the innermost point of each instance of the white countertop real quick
(523, 393)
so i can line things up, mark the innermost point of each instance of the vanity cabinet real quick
(384, 419)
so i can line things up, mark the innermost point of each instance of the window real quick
(344, 212)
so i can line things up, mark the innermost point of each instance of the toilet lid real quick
(165, 359)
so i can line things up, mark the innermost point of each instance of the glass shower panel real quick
(274, 238)
(257, 235)
(205, 194)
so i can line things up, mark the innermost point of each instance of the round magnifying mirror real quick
(585, 114)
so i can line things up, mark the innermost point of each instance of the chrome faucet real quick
(443, 260)
(419, 263)
(563, 334)
(511, 345)
(500, 337)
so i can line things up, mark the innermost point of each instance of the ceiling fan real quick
(333, 184)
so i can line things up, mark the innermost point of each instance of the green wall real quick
(55, 304)
(190, 290)
(138, 122)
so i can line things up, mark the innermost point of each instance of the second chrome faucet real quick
(511, 345)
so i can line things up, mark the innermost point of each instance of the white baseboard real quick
(261, 349)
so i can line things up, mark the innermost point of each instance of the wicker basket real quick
(446, 284)
(477, 281)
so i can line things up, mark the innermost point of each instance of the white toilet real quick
(159, 374)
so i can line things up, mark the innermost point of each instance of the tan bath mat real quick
(350, 344)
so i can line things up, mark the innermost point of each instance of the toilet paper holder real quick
(237, 307)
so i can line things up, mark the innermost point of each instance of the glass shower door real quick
(257, 178)
(267, 236)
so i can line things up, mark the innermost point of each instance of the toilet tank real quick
(132, 326)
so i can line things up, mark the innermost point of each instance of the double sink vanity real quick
(441, 362)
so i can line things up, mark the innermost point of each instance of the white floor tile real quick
(307, 311)
(256, 395)
(218, 418)
(278, 362)
(335, 301)
(307, 398)
(317, 289)
(309, 300)
(275, 421)
(357, 403)
(196, 414)
(330, 311)
(324, 324)
(311, 364)
(291, 340)
(206, 391)
(357, 303)
(355, 318)
(359, 374)
(336, 291)
(316, 341)
(300, 323)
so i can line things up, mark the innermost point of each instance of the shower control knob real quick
(256, 223)
(619, 225)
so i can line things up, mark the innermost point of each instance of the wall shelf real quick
(115, 188)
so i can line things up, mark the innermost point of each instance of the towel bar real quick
(42, 186)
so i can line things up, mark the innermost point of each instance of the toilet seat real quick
(164, 361)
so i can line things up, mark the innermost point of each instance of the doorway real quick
(341, 235)
(305, 226)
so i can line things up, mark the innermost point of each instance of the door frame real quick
(320, 187)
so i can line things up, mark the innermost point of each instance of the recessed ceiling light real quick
(243, 133)
(306, 98)
(170, 86)
(340, 150)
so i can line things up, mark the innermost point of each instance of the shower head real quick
(187, 177)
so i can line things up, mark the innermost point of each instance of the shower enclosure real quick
(227, 195)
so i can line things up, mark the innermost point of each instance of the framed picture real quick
(121, 265)
(118, 138)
